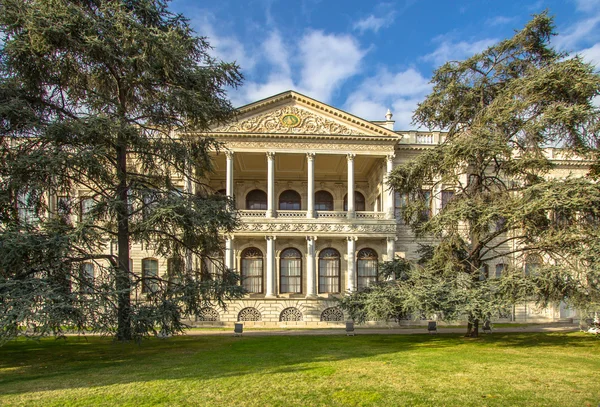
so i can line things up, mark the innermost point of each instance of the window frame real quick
(337, 276)
(299, 276)
(357, 201)
(366, 278)
(261, 203)
(296, 202)
(243, 270)
(149, 281)
(318, 202)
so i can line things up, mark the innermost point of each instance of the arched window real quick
(323, 201)
(329, 271)
(532, 263)
(500, 269)
(252, 270)
(366, 267)
(290, 269)
(359, 201)
(256, 199)
(289, 200)
(149, 275)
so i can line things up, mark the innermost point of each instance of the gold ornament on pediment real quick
(290, 120)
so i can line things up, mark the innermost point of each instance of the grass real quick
(515, 369)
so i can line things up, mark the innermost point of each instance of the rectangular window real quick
(26, 208)
(175, 269)
(291, 270)
(86, 278)
(149, 276)
(500, 269)
(447, 196)
(399, 205)
(329, 275)
(87, 204)
(253, 278)
(367, 273)
(426, 195)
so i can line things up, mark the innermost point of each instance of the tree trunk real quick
(475, 331)
(122, 280)
(469, 330)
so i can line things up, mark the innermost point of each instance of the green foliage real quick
(110, 98)
(503, 110)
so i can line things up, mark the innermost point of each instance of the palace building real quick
(309, 182)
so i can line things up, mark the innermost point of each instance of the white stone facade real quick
(287, 242)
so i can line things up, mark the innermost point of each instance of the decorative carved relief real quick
(332, 314)
(289, 119)
(316, 146)
(249, 314)
(208, 314)
(290, 314)
(316, 227)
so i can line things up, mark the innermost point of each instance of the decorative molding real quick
(276, 121)
(317, 145)
(344, 228)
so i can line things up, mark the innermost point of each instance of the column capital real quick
(352, 238)
(350, 156)
(311, 238)
(229, 237)
(229, 154)
(392, 239)
(310, 156)
(270, 155)
(390, 156)
(270, 237)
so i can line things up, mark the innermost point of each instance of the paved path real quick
(380, 331)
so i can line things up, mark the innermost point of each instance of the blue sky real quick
(367, 56)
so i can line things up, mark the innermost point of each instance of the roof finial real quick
(388, 115)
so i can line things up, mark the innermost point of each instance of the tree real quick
(110, 98)
(504, 203)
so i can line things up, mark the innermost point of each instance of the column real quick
(350, 158)
(310, 199)
(311, 278)
(271, 282)
(270, 184)
(391, 246)
(351, 263)
(229, 253)
(389, 191)
(229, 179)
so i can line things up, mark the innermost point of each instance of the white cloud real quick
(592, 54)
(373, 23)
(588, 5)
(276, 53)
(225, 47)
(579, 32)
(456, 51)
(500, 20)
(326, 61)
(400, 92)
(319, 67)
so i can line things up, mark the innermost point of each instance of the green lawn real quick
(367, 370)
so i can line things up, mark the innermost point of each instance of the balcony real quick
(324, 223)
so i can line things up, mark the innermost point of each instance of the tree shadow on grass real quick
(27, 366)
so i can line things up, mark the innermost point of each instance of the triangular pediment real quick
(293, 113)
